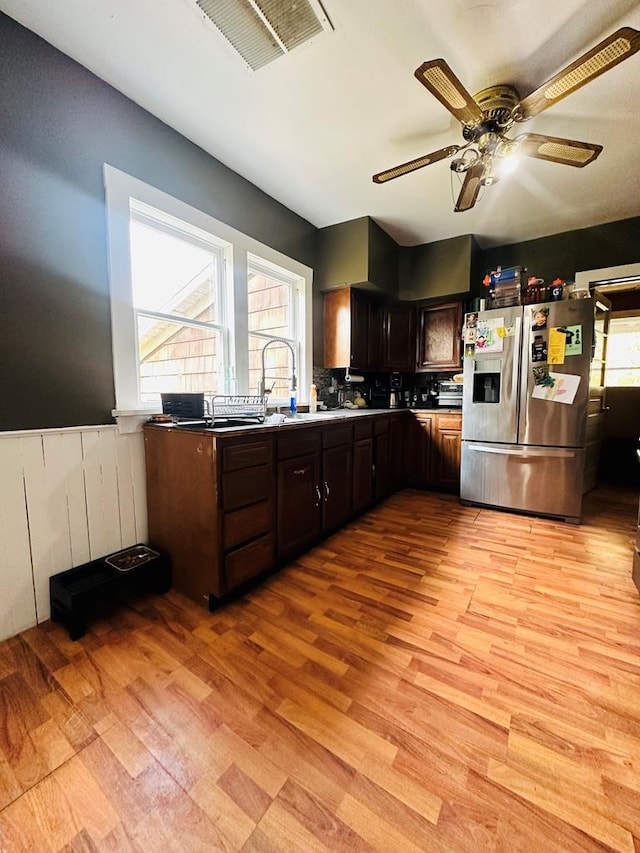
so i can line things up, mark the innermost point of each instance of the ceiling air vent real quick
(263, 30)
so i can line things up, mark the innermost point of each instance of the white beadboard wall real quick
(67, 496)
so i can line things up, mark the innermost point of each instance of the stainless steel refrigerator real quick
(523, 433)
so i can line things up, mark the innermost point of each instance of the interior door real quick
(597, 405)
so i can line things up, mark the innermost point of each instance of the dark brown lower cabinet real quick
(418, 453)
(398, 429)
(433, 450)
(229, 508)
(337, 486)
(211, 507)
(314, 490)
(362, 468)
(362, 465)
(299, 500)
(381, 472)
(447, 452)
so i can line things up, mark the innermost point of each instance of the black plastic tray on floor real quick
(76, 593)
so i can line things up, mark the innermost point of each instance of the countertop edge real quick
(292, 423)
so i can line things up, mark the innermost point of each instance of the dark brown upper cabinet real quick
(346, 328)
(439, 345)
(399, 336)
(365, 333)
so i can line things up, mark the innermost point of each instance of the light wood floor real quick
(434, 677)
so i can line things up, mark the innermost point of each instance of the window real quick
(623, 352)
(193, 302)
(178, 300)
(272, 296)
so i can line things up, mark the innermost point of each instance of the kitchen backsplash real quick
(331, 384)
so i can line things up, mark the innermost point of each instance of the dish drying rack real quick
(245, 408)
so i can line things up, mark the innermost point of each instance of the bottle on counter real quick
(293, 401)
(313, 400)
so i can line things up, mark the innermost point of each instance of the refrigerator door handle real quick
(522, 452)
(517, 355)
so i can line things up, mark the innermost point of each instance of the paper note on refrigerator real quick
(557, 344)
(565, 386)
(487, 338)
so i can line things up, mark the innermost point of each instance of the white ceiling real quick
(311, 128)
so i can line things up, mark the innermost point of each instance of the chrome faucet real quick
(262, 384)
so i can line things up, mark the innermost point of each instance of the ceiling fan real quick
(489, 115)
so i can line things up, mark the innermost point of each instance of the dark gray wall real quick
(564, 255)
(58, 125)
(438, 269)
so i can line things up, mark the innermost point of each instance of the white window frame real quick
(119, 189)
(296, 285)
(160, 221)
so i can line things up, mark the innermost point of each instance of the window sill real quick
(132, 420)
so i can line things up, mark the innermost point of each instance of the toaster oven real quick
(449, 394)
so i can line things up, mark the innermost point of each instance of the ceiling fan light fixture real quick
(489, 114)
(459, 165)
(508, 164)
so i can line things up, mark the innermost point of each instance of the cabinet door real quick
(399, 337)
(299, 498)
(359, 330)
(337, 327)
(439, 345)
(376, 352)
(446, 453)
(362, 474)
(397, 440)
(381, 465)
(446, 472)
(337, 486)
(418, 453)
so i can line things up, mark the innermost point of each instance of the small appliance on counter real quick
(183, 405)
(378, 395)
(395, 385)
(425, 397)
(450, 394)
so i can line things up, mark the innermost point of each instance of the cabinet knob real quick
(300, 472)
(318, 496)
(326, 491)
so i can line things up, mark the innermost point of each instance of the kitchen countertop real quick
(299, 420)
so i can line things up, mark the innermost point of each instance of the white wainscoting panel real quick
(17, 600)
(68, 496)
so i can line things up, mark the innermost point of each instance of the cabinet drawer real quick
(362, 429)
(247, 523)
(308, 441)
(247, 486)
(449, 421)
(246, 455)
(245, 563)
(335, 436)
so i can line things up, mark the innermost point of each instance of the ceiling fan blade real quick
(570, 152)
(614, 49)
(418, 163)
(471, 186)
(445, 86)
